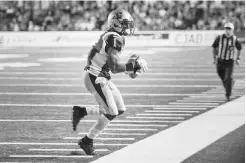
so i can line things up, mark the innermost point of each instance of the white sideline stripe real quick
(106, 133)
(34, 143)
(51, 144)
(186, 66)
(220, 95)
(86, 94)
(51, 156)
(116, 79)
(193, 103)
(138, 121)
(146, 74)
(183, 106)
(171, 111)
(66, 120)
(170, 147)
(221, 91)
(132, 129)
(68, 138)
(155, 117)
(38, 120)
(128, 86)
(15, 162)
(179, 108)
(142, 114)
(132, 106)
(187, 100)
(188, 74)
(39, 73)
(210, 98)
(67, 149)
(137, 125)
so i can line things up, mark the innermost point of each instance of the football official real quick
(223, 54)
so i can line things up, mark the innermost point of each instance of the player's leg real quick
(78, 112)
(110, 108)
(118, 98)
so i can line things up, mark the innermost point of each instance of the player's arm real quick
(114, 45)
(116, 66)
(114, 61)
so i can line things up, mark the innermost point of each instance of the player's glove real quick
(142, 64)
(136, 64)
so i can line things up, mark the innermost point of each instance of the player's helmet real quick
(121, 21)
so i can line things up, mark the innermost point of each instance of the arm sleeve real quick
(238, 45)
(216, 42)
(114, 42)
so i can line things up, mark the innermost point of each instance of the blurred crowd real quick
(92, 15)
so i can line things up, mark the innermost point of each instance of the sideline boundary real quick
(179, 142)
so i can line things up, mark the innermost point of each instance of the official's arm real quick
(239, 48)
(215, 46)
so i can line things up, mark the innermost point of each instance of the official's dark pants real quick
(225, 72)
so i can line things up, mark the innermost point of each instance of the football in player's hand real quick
(133, 59)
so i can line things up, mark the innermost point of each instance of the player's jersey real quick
(97, 64)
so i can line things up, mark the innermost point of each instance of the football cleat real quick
(77, 114)
(87, 147)
(228, 98)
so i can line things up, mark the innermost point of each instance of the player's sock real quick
(93, 110)
(87, 140)
(101, 124)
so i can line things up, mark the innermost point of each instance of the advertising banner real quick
(88, 38)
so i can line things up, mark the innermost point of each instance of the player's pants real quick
(225, 72)
(107, 96)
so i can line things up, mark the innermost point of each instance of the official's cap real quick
(229, 25)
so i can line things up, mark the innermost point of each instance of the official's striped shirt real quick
(226, 46)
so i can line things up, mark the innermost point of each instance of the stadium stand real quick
(92, 15)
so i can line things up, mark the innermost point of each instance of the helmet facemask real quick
(127, 27)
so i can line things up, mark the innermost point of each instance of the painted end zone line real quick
(185, 139)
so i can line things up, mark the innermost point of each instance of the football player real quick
(103, 58)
